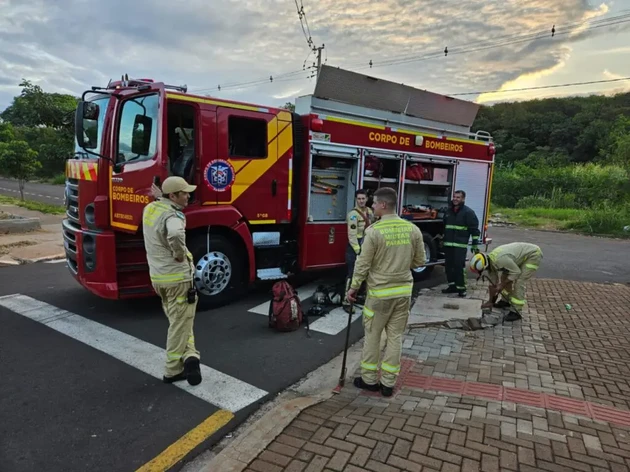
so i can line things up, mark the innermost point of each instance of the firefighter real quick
(391, 247)
(358, 220)
(508, 267)
(171, 270)
(461, 223)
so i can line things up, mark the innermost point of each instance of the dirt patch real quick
(4, 216)
(6, 248)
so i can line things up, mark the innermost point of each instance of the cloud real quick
(70, 45)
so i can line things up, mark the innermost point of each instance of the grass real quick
(31, 205)
(59, 179)
(603, 220)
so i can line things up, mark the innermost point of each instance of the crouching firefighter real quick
(392, 246)
(508, 268)
(461, 224)
(358, 220)
(171, 269)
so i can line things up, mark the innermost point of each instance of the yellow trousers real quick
(180, 341)
(516, 296)
(390, 316)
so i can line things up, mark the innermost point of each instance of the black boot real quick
(512, 316)
(175, 378)
(359, 383)
(450, 289)
(462, 293)
(386, 391)
(502, 304)
(192, 370)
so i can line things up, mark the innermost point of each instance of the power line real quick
(498, 42)
(540, 87)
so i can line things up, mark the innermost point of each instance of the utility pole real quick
(319, 58)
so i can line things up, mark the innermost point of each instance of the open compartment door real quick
(473, 177)
(332, 182)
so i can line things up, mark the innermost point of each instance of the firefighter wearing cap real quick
(508, 267)
(392, 246)
(171, 269)
(358, 220)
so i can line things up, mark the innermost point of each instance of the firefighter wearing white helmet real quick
(171, 270)
(508, 267)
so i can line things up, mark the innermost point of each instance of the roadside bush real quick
(557, 199)
(603, 218)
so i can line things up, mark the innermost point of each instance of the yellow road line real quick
(178, 450)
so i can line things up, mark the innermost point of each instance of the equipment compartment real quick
(427, 190)
(332, 187)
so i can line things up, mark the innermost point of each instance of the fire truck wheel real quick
(218, 273)
(430, 250)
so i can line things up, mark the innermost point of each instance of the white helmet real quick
(478, 263)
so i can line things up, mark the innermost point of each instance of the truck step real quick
(274, 273)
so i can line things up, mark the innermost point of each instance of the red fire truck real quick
(273, 186)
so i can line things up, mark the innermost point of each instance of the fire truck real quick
(273, 186)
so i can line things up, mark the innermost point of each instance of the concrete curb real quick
(61, 255)
(19, 225)
(252, 438)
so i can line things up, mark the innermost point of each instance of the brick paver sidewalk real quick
(551, 392)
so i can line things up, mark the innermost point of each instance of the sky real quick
(68, 46)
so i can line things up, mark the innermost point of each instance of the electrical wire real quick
(501, 41)
(573, 84)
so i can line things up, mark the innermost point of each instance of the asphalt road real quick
(68, 406)
(43, 193)
(572, 256)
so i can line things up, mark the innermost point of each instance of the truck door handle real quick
(274, 187)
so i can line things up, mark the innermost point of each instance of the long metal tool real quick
(342, 377)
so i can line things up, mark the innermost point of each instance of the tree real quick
(289, 106)
(34, 107)
(18, 161)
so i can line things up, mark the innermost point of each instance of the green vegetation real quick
(562, 163)
(36, 134)
(59, 179)
(32, 205)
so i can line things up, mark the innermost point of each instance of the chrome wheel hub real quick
(212, 273)
(428, 255)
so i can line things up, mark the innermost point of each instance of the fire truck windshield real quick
(93, 128)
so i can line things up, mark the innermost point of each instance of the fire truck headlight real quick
(89, 214)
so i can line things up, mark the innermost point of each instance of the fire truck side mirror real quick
(141, 137)
(86, 124)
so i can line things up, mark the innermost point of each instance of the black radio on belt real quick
(192, 296)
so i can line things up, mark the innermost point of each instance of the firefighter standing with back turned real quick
(358, 220)
(460, 224)
(171, 270)
(391, 247)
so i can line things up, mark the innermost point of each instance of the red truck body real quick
(273, 187)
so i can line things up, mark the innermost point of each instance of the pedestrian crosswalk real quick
(218, 388)
(332, 323)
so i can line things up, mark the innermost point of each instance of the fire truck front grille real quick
(72, 200)
(70, 244)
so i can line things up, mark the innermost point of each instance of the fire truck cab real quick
(273, 187)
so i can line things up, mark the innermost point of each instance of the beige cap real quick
(176, 184)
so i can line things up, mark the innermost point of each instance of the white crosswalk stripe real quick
(217, 388)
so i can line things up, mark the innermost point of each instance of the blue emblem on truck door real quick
(219, 175)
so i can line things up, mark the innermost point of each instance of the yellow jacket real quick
(511, 258)
(391, 248)
(357, 226)
(164, 230)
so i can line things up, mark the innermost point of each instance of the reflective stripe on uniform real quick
(390, 368)
(517, 301)
(402, 290)
(356, 247)
(168, 278)
(174, 355)
(180, 299)
(366, 366)
(531, 266)
(459, 228)
(367, 312)
(465, 246)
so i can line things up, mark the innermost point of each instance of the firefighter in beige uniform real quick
(508, 268)
(171, 270)
(358, 219)
(392, 246)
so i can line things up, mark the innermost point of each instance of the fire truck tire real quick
(219, 274)
(430, 249)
